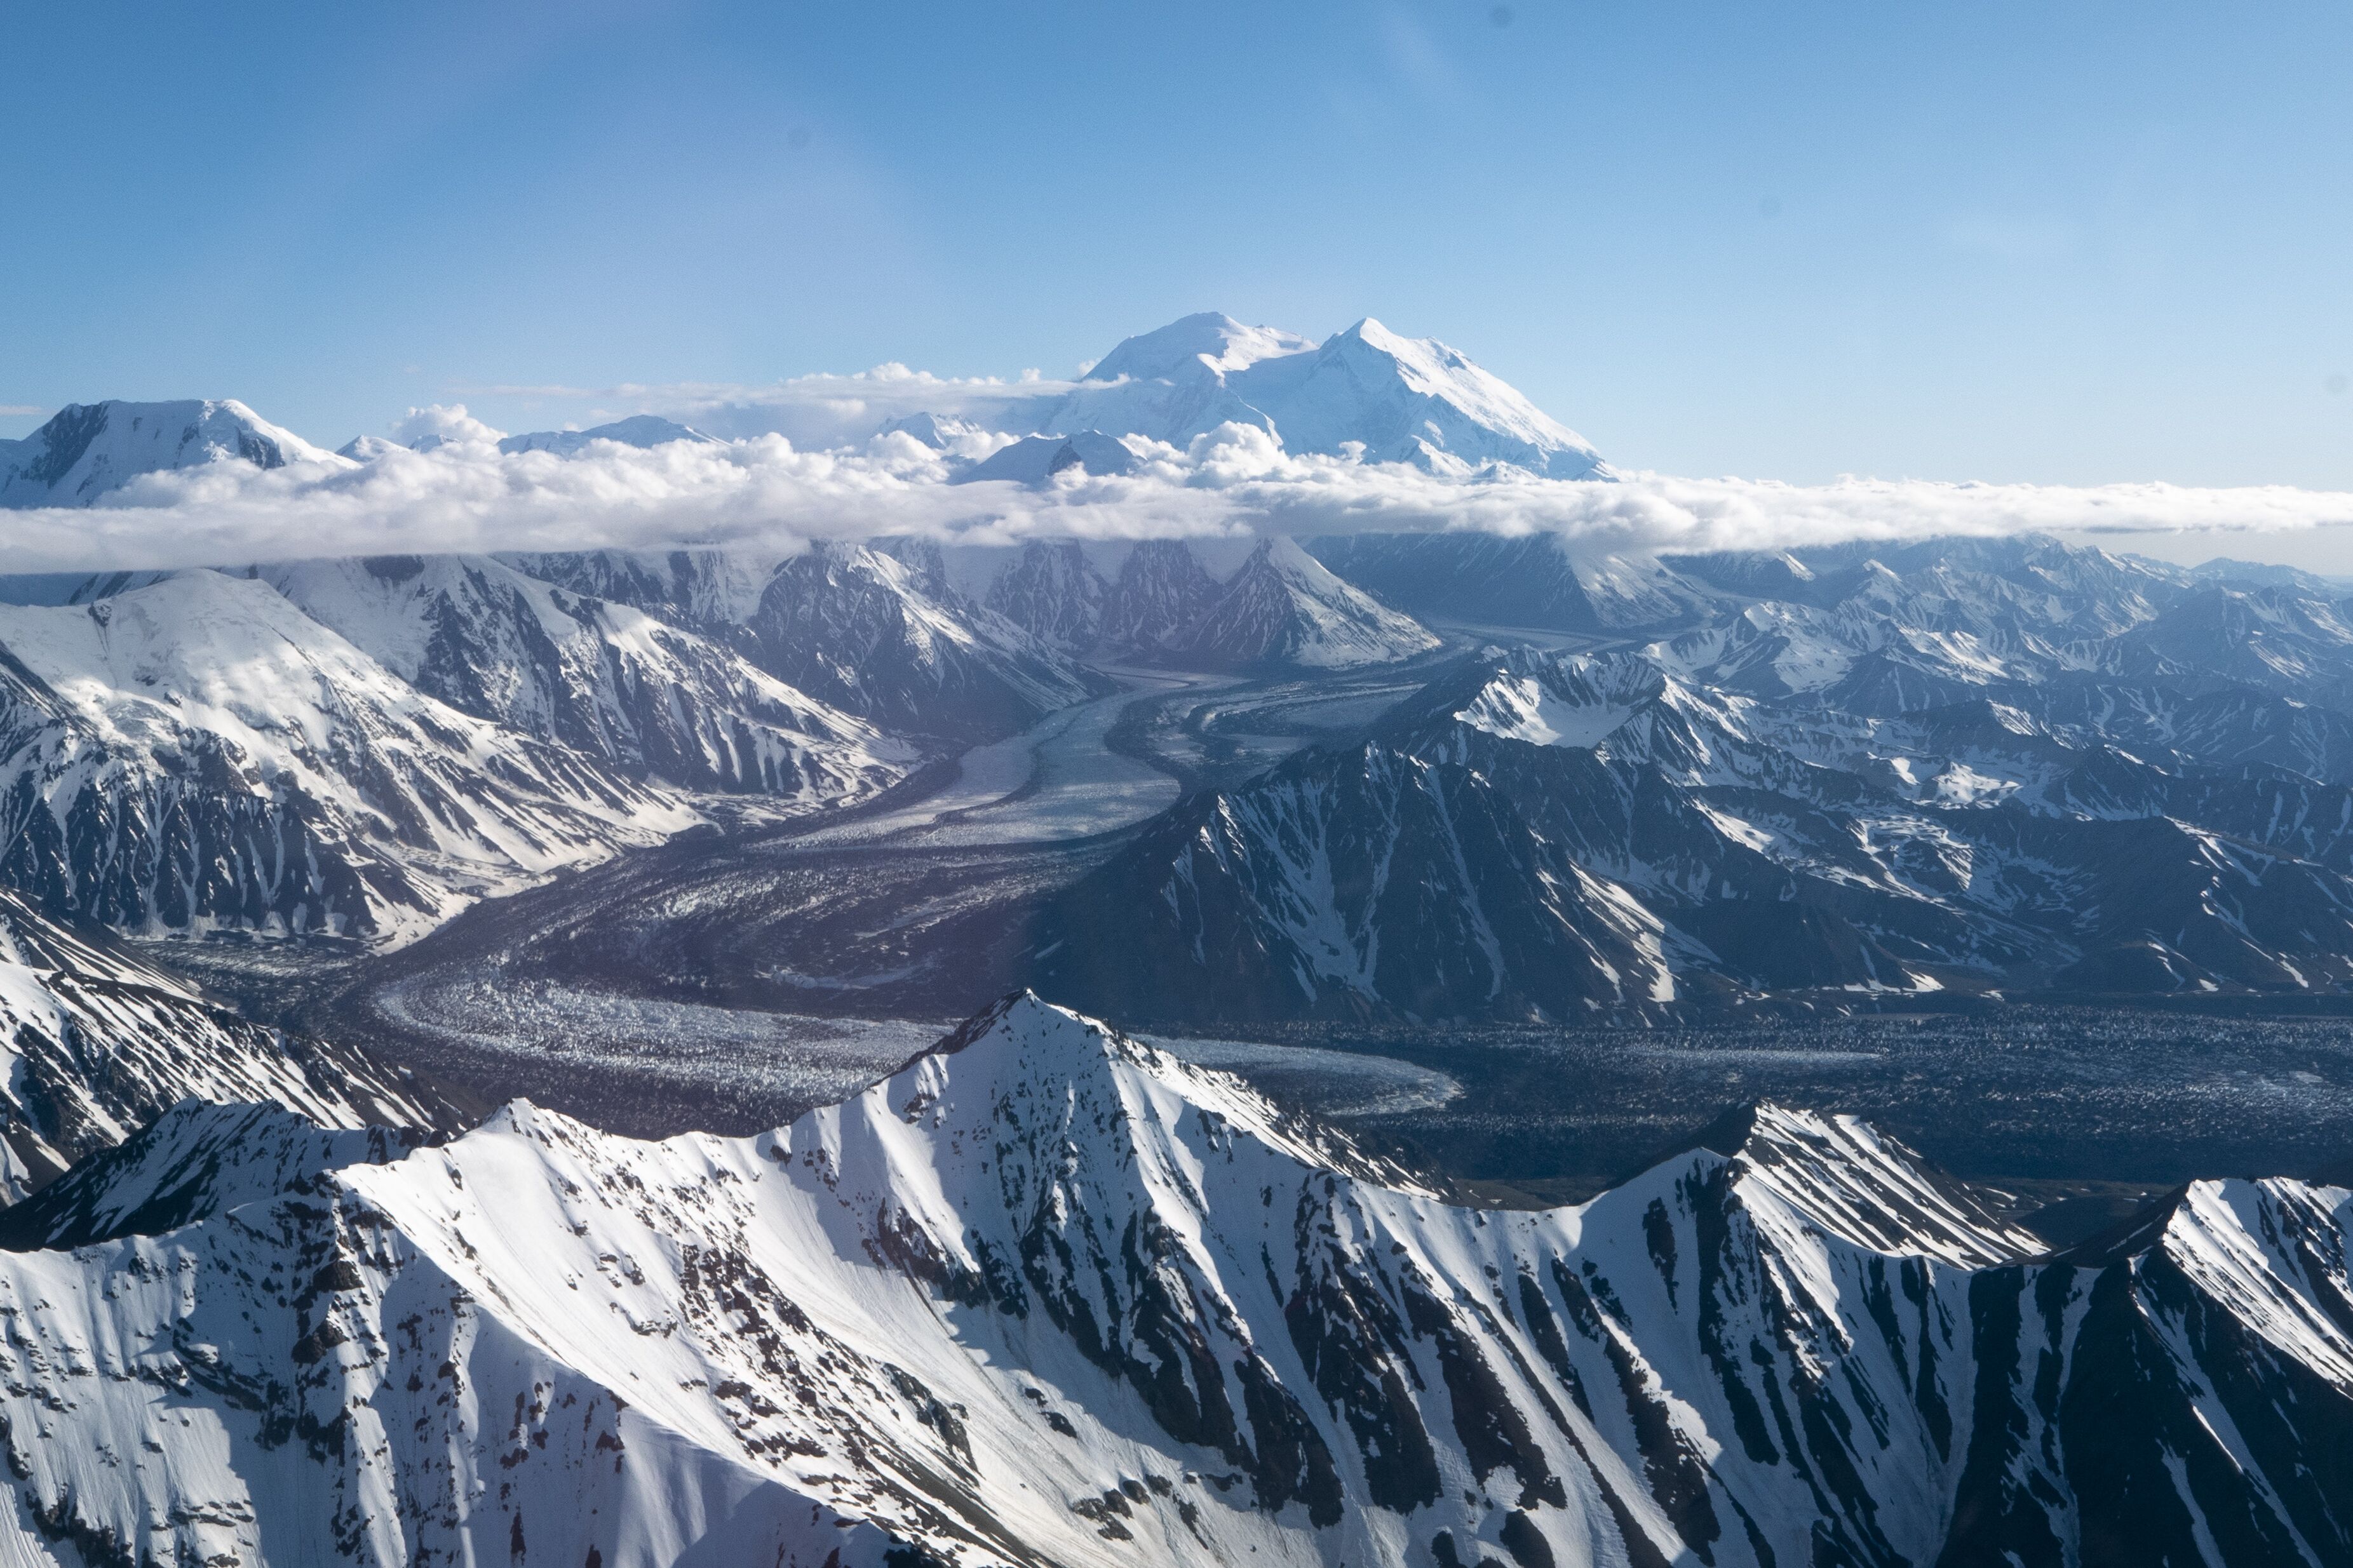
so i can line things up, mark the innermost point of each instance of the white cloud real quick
(466, 495)
(446, 423)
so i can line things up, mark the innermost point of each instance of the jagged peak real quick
(1284, 553)
(1025, 1015)
(1846, 1176)
(1022, 1039)
(197, 1159)
(1206, 342)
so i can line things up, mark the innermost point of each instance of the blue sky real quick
(2016, 242)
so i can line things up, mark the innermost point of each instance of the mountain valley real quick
(1831, 1053)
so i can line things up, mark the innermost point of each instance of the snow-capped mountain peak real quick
(1399, 399)
(1845, 1176)
(1209, 341)
(1035, 459)
(1434, 370)
(941, 433)
(1414, 400)
(368, 448)
(88, 449)
(1284, 607)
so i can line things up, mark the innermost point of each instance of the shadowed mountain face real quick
(1046, 1295)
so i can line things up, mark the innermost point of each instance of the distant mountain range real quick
(1364, 391)
(2001, 764)
(1959, 766)
(1629, 782)
(1048, 1296)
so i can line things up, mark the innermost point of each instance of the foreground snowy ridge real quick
(1046, 1296)
(98, 1043)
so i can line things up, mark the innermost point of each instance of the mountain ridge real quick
(1365, 391)
(1045, 1294)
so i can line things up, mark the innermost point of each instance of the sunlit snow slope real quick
(199, 754)
(87, 450)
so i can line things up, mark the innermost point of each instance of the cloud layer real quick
(768, 491)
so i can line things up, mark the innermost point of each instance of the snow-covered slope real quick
(198, 755)
(98, 1043)
(638, 430)
(88, 449)
(1537, 581)
(606, 680)
(938, 432)
(1285, 609)
(1176, 382)
(1399, 399)
(1047, 1297)
(1034, 460)
(704, 590)
(869, 630)
(204, 1155)
(863, 628)
(1054, 591)
(368, 448)
(1273, 607)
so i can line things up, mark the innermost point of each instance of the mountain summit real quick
(1400, 399)
(89, 449)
